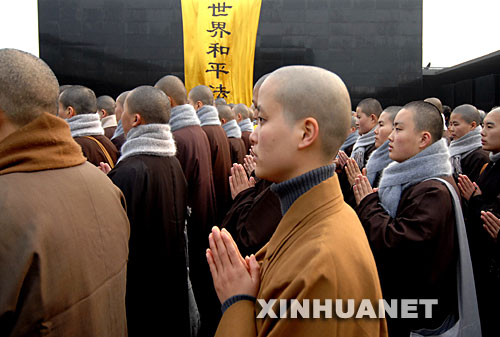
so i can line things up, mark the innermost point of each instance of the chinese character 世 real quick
(220, 9)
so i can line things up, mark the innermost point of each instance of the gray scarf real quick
(183, 116)
(208, 115)
(430, 163)
(232, 129)
(119, 130)
(246, 125)
(359, 149)
(350, 140)
(150, 139)
(378, 161)
(85, 125)
(494, 157)
(461, 147)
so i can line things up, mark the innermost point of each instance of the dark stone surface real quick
(112, 46)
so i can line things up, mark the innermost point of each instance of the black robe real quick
(485, 252)
(157, 293)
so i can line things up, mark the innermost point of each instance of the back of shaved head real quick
(81, 98)
(436, 102)
(469, 113)
(370, 106)
(203, 94)
(241, 109)
(107, 103)
(392, 111)
(220, 101)
(173, 87)
(307, 91)
(151, 103)
(28, 87)
(427, 117)
(225, 112)
(121, 98)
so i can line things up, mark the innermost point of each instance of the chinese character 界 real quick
(218, 26)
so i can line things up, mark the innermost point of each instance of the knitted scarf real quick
(494, 157)
(85, 125)
(151, 139)
(119, 130)
(378, 161)
(358, 151)
(246, 125)
(351, 139)
(431, 162)
(232, 129)
(183, 116)
(208, 115)
(290, 190)
(109, 121)
(461, 147)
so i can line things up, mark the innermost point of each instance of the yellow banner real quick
(219, 46)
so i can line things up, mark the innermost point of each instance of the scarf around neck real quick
(350, 140)
(85, 125)
(109, 121)
(246, 125)
(43, 144)
(150, 139)
(494, 157)
(378, 161)
(208, 115)
(461, 147)
(183, 116)
(431, 162)
(232, 129)
(119, 130)
(359, 149)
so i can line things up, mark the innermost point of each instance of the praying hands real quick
(238, 180)
(467, 188)
(362, 188)
(231, 273)
(491, 224)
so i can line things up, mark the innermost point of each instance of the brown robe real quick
(94, 153)
(109, 131)
(319, 251)
(64, 241)
(253, 218)
(245, 135)
(415, 251)
(238, 152)
(221, 168)
(473, 163)
(193, 152)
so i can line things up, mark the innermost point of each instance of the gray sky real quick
(454, 31)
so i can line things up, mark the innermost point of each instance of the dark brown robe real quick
(109, 131)
(93, 152)
(221, 168)
(254, 216)
(415, 252)
(193, 152)
(156, 193)
(245, 135)
(473, 163)
(238, 152)
(485, 252)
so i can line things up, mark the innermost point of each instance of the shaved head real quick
(28, 87)
(203, 94)
(81, 98)
(151, 103)
(241, 109)
(256, 88)
(306, 91)
(370, 106)
(392, 111)
(225, 112)
(427, 118)
(173, 87)
(220, 101)
(436, 102)
(106, 103)
(121, 98)
(469, 113)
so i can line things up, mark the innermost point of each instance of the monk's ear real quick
(138, 120)
(310, 132)
(473, 125)
(70, 111)
(425, 140)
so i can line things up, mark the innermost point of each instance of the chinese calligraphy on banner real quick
(219, 46)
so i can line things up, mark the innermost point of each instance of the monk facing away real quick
(319, 250)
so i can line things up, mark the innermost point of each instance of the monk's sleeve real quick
(419, 214)
(238, 320)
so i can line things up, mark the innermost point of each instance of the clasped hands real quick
(232, 274)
